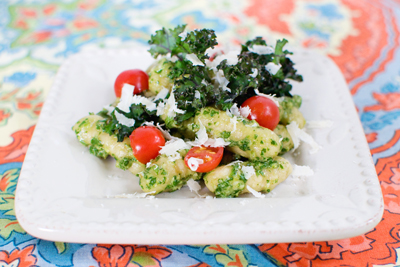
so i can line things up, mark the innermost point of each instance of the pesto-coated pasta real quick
(158, 77)
(231, 180)
(162, 174)
(246, 137)
(289, 111)
(89, 132)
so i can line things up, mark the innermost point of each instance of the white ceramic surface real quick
(66, 194)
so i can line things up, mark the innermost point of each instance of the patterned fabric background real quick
(362, 37)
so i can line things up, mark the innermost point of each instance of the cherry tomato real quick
(146, 142)
(136, 77)
(263, 110)
(210, 155)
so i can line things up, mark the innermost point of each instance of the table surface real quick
(362, 37)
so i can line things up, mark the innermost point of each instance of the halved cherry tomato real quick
(135, 77)
(146, 142)
(263, 110)
(210, 155)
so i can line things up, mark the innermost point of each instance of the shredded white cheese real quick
(165, 133)
(162, 94)
(231, 59)
(272, 68)
(194, 59)
(126, 99)
(221, 80)
(172, 59)
(272, 97)
(160, 109)
(172, 107)
(248, 171)
(201, 136)
(298, 134)
(261, 49)
(197, 94)
(193, 185)
(138, 99)
(219, 142)
(183, 35)
(234, 121)
(255, 73)
(109, 108)
(194, 163)
(254, 192)
(234, 110)
(245, 111)
(172, 147)
(124, 120)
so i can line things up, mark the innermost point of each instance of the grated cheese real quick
(272, 68)
(255, 73)
(193, 185)
(193, 163)
(261, 49)
(183, 35)
(124, 120)
(221, 80)
(172, 107)
(197, 94)
(248, 171)
(231, 58)
(234, 110)
(245, 111)
(172, 147)
(162, 94)
(273, 98)
(109, 108)
(298, 134)
(234, 121)
(254, 192)
(194, 59)
(126, 99)
(219, 142)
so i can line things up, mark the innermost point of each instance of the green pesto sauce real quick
(233, 185)
(261, 166)
(244, 144)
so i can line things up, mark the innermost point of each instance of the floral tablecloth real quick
(362, 37)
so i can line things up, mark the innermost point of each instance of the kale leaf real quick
(138, 112)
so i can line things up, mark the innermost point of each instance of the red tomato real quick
(136, 77)
(210, 155)
(263, 110)
(146, 142)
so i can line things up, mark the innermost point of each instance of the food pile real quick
(200, 113)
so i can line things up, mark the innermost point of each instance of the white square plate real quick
(66, 194)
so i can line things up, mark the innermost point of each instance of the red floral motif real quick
(112, 255)
(387, 102)
(20, 258)
(129, 255)
(4, 115)
(371, 137)
(375, 247)
(15, 152)
(270, 13)
(391, 195)
(360, 52)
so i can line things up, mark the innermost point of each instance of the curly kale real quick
(193, 86)
(250, 73)
(138, 112)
